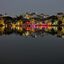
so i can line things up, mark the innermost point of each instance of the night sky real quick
(15, 7)
(15, 49)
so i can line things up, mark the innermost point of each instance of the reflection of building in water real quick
(60, 32)
(57, 30)
(2, 30)
(2, 21)
(32, 24)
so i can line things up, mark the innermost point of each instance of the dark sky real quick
(15, 7)
(15, 49)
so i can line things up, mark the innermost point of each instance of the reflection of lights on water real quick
(62, 36)
(49, 27)
(18, 28)
(6, 25)
(13, 26)
(2, 22)
(27, 33)
(55, 23)
(2, 28)
(28, 28)
(55, 28)
(63, 29)
(29, 25)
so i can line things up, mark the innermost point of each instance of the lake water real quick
(18, 49)
(15, 49)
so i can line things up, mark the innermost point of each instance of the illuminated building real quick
(33, 24)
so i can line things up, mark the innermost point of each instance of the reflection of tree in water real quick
(20, 23)
(59, 32)
(38, 33)
(2, 30)
(52, 32)
(20, 32)
(8, 31)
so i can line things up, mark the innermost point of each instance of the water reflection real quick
(54, 30)
(33, 25)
